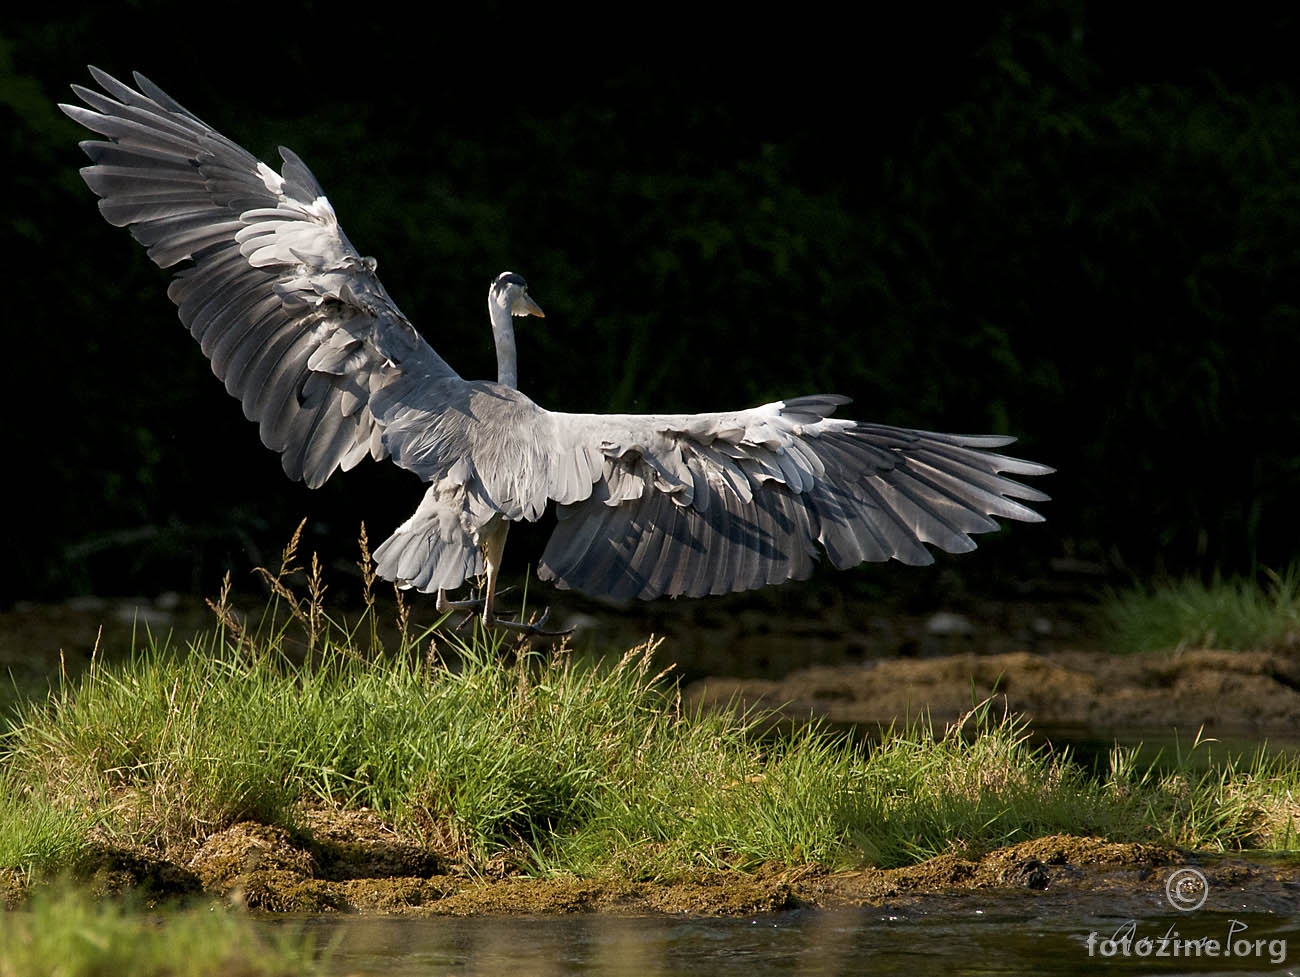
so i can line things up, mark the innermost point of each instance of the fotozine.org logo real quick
(1186, 889)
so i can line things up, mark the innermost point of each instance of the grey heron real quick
(297, 325)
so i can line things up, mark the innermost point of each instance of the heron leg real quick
(494, 544)
(445, 603)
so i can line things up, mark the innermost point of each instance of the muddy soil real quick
(352, 862)
(1235, 694)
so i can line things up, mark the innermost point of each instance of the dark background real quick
(1064, 221)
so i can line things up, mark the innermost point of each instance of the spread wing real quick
(709, 503)
(715, 503)
(292, 318)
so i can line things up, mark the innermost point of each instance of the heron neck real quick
(503, 331)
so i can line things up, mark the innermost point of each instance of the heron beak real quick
(526, 306)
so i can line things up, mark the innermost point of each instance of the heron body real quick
(298, 326)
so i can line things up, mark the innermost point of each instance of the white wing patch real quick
(272, 180)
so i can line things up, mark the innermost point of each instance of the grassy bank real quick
(545, 764)
(1235, 613)
(65, 933)
(499, 758)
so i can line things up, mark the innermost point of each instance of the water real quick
(971, 934)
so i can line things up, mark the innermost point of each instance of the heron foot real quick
(445, 604)
(532, 629)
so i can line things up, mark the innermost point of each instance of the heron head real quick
(510, 291)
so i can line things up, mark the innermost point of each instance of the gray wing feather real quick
(292, 318)
(765, 492)
(654, 546)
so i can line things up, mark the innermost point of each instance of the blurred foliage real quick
(1042, 218)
